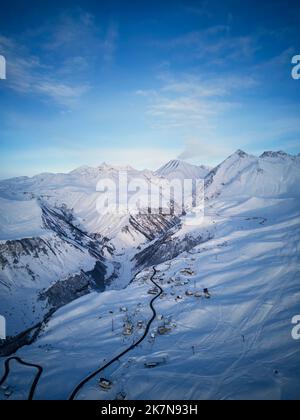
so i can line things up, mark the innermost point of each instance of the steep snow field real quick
(236, 345)
(22, 282)
(272, 174)
(20, 219)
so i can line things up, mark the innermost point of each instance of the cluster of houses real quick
(165, 325)
(181, 280)
(129, 326)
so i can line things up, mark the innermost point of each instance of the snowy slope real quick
(33, 264)
(27, 267)
(178, 169)
(275, 174)
(78, 192)
(237, 345)
(20, 219)
(51, 230)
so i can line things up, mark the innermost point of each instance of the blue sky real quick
(142, 82)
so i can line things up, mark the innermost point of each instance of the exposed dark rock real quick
(63, 292)
(57, 296)
(153, 225)
(61, 221)
(98, 276)
(168, 248)
(33, 247)
(25, 338)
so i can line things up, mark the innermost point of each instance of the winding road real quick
(92, 375)
(132, 347)
(21, 362)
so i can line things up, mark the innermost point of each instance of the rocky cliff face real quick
(40, 274)
(169, 247)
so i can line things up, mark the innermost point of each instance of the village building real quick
(105, 384)
(163, 330)
(153, 291)
(206, 294)
(187, 272)
(155, 362)
(140, 324)
(128, 329)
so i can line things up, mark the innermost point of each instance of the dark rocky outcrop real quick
(168, 248)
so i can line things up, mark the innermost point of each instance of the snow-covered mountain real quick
(179, 169)
(55, 248)
(235, 345)
(51, 230)
(272, 174)
(77, 191)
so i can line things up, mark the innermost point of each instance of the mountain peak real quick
(279, 154)
(181, 169)
(241, 153)
(81, 170)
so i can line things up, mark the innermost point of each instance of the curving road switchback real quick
(96, 372)
(132, 347)
(21, 362)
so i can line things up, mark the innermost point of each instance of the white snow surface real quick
(245, 175)
(76, 190)
(236, 345)
(22, 282)
(20, 219)
(179, 169)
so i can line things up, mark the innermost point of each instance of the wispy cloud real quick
(191, 102)
(77, 34)
(110, 42)
(69, 51)
(209, 87)
(26, 74)
(212, 42)
(61, 93)
(203, 151)
(276, 65)
(202, 9)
